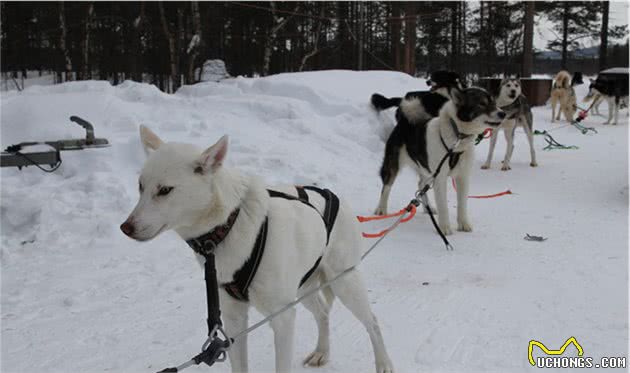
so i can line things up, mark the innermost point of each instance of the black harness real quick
(238, 288)
(453, 157)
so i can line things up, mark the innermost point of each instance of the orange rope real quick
(411, 209)
(485, 196)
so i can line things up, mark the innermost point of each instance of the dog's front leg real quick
(439, 190)
(235, 320)
(493, 142)
(283, 329)
(508, 131)
(463, 222)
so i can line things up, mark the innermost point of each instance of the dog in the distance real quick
(563, 93)
(612, 90)
(188, 190)
(412, 113)
(422, 145)
(518, 114)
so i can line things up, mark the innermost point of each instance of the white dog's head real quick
(510, 89)
(175, 185)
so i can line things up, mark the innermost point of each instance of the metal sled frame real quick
(14, 157)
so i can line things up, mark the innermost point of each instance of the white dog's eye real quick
(164, 190)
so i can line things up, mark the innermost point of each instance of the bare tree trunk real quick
(170, 38)
(85, 71)
(396, 22)
(528, 41)
(136, 50)
(271, 37)
(195, 45)
(454, 43)
(410, 38)
(565, 34)
(62, 42)
(316, 39)
(603, 46)
(361, 33)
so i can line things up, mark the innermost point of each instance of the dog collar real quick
(459, 135)
(206, 243)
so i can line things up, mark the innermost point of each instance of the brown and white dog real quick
(563, 93)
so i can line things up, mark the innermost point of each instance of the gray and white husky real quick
(518, 114)
(189, 190)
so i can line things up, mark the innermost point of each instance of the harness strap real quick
(331, 209)
(453, 157)
(212, 294)
(238, 288)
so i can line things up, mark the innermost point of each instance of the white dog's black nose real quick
(501, 114)
(127, 228)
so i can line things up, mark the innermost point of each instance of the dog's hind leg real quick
(554, 102)
(617, 103)
(235, 320)
(352, 292)
(319, 306)
(493, 142)
(389, 171)
(611, 103)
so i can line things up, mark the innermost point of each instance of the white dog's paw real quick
(485, 166)
(384, 367)
(446, 229)
(533, 164)
(506, 167)
(464, 226)
(316, 359)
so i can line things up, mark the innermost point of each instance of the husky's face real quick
(510, 88)
(175, 186)
(476, 108)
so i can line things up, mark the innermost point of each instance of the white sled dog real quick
(188, 190)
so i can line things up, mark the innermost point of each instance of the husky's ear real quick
(457, 96)
(212, 158)
(150, 140)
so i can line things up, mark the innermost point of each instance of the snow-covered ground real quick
(78, 296)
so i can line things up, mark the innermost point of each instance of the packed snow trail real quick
(78, 296)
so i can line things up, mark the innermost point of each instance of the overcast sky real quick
(618, 16)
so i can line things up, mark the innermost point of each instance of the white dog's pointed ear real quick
(150, 140)
(212, 158)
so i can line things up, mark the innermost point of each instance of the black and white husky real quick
(412, 113)
(188, 190)
(421, 142)
(518, 114)
(611, 87)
